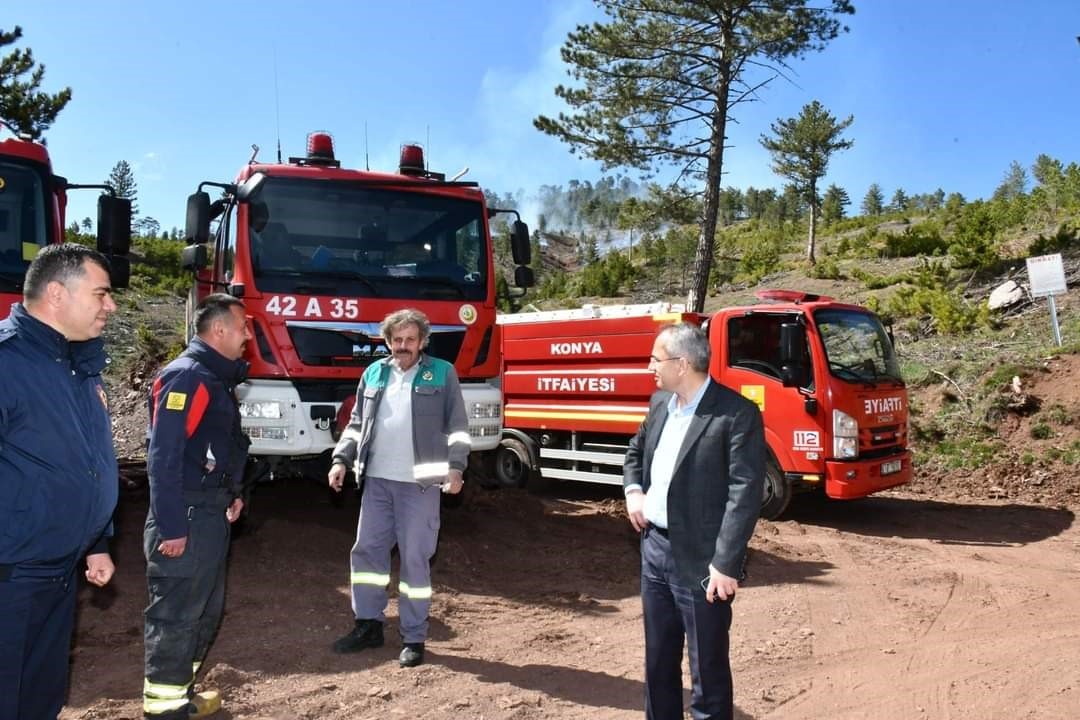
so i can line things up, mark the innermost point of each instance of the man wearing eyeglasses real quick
(694, 478)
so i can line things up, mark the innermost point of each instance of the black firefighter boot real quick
(366, 634)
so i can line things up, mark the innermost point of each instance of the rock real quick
(1005, 295)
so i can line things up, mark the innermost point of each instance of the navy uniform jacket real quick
(195, 438)
(58, 472)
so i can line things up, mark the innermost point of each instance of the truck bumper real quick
(859, 478)
(279, 423)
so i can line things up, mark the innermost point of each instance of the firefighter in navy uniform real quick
(195, 465)
(58, 473)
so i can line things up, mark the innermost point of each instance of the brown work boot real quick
(204, 704)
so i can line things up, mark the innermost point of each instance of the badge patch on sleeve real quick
(175, 401)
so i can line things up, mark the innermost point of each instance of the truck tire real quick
(778, 491)
(512, 463)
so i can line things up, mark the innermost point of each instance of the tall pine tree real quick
(657, 84)
(801, 148)
(122, 180)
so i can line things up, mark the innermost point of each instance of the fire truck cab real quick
(320, 254)
(32, 207)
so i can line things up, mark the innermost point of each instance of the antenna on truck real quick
(277, 106)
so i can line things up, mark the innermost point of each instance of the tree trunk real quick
(813, 225)
(699, 287)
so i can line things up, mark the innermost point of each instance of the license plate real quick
(890, 467)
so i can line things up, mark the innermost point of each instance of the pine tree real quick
(122, 180)
(23, 106)
(801, 148)
(833, 204)
(900, 201)
(874, 201)
(658, 82)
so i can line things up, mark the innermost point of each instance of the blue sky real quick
(944, 94)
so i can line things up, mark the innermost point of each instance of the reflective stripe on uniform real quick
(429, 470)
(160, 698)
(369, 578)
(459, 437)
(417, 593)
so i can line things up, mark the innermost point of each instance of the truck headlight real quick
(263, 410)
(845, 435)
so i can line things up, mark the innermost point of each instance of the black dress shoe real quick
(411, 655)
(366, 634)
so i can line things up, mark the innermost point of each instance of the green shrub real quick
(918, 240)
(826, 269)
(1041, 431)
(974, 240)
(1063, 240)
(950, 312)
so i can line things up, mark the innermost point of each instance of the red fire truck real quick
(320, 254)
(824, 374)
(32, 205)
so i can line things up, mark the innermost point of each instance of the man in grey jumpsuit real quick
(408, 437)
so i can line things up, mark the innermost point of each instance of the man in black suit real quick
(693, 479)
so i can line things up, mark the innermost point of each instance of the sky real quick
(943, 94)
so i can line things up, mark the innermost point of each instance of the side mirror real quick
(194, 258)
(197, 227)
(114, 226)
(794, 372)
(119, 271)
(523, 276)
(520, 246)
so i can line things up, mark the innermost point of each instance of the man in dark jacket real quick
(58, 473)
(694, 478)
(195, 464)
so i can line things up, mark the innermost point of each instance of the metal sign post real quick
(1047, 276)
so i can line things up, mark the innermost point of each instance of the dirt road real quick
(896, 607)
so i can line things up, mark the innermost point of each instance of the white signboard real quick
(1047, 275)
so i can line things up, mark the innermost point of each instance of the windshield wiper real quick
(442, 282)
(309, 289)
(365, 280)
(845, 373)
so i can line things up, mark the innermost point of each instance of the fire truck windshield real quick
(307, 236)
(857, 347)
(23, 219)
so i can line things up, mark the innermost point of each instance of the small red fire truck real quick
(576, 387)
(32, 206)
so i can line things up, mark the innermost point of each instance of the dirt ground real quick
(898, 606)
(957, 598)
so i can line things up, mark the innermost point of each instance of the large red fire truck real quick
(319, 254)
(32, 206)
(576, 388)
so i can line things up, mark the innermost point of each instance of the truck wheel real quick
(778, 491)
(512, 467)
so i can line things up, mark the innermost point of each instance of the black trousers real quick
(186, 594)
(674, 613)
(37, 615)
